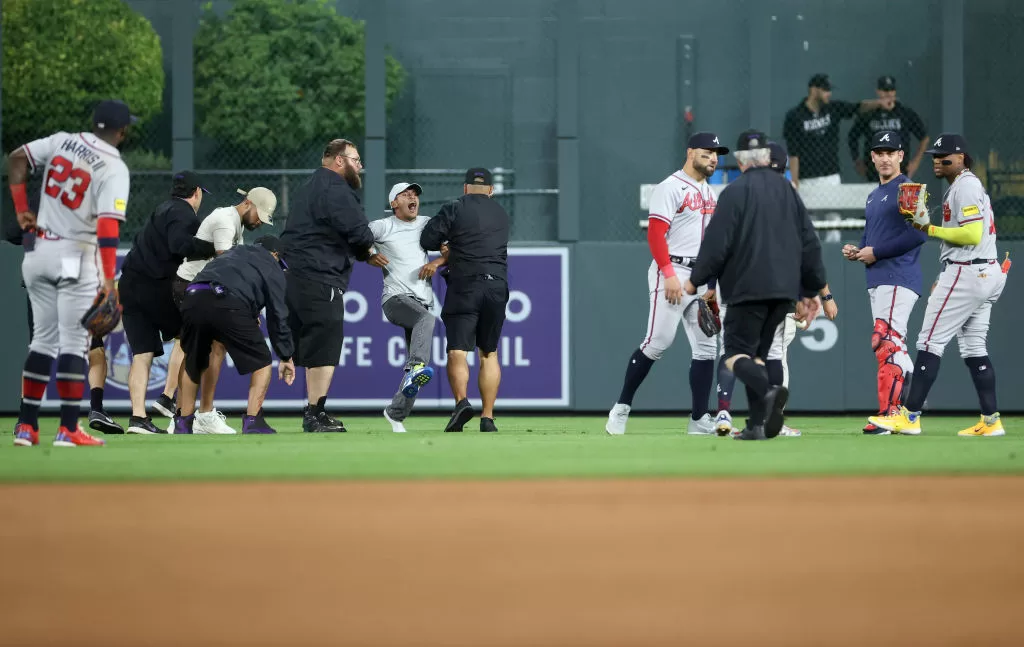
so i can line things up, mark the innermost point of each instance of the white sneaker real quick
(211, 422)
(790, 432)
(704, 426)
(617, 419)
(396, 425)
(723, 423)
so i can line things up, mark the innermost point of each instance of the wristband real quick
(667, 270)
(20, 197)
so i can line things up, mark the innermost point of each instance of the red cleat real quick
(25, 435)
(76, 438)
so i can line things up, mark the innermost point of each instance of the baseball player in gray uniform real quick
(961, 301)
(83, 202)
(408, 294)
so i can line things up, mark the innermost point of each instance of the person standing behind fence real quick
(476, 230)
(899, 118)
(811, 131)
(326, 233)
(408, 293)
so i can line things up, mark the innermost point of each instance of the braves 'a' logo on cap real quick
(884, 138)
(938, 142)
(715, 139)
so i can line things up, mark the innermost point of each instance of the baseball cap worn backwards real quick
(779, 156)
(886, 140)
(402, 187)
(479, 176)
(707, 141)
(188, 182)
(264, 200)
(751, 140)
(112, 115)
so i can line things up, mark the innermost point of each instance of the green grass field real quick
(525, 447)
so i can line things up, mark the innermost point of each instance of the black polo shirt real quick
(814, 136)
(167, 239)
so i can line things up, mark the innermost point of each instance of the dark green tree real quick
(63, 56)
(275, 78)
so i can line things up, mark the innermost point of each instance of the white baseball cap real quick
(265, 202)
(403, 186)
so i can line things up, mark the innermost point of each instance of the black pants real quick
(226, 319)
(149, 312)
(316, 316)
(474, 313)
(750, 326)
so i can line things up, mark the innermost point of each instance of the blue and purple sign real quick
(534, 348)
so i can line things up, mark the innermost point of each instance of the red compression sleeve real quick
(656, 230)
(107, 234)
(20, 197)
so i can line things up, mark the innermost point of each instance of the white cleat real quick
(704, 426)
(723, 423)
(396, 425)
(790, 432)
(211, 422)
(617, 419)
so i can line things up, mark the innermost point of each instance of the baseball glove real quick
(707, 317)
(913, 202)
(104, 314)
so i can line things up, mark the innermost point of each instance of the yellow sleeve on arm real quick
(969, 234)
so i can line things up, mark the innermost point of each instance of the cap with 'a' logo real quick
(947, 144)
(751, 140)
(886, 140)
(707, 141)
(479, 176)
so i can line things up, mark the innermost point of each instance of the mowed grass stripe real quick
(525, 447)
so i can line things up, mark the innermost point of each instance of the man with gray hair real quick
(764, 251)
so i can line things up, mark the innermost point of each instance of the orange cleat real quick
(76, 438)
(25, 435)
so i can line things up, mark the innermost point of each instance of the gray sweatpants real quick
(408, 313)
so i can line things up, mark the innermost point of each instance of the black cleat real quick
(774, 402)
(487, 424)
(100, 421)
(462, 414)
(165, 406)
(137, 425)
(314, 422)
(752, 433)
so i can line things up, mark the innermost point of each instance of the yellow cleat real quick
(901, 422)
(990, 426)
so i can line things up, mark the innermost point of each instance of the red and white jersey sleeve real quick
(686, 206)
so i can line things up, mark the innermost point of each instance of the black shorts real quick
(474, 312)
(178, 290)
(148, 313)
(750, 326)
(316, 316)
(208, 318)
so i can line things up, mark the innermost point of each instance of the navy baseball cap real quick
(188, 182)
(886, 140)
(947, 144)
(112, 115)
(886, 83)
(708, 141)
(751, 139)
(820, 81)
(779, 156)
(273, 244)
(479, 176)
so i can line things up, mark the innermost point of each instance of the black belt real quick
(975, 261)
(217, 289)
(685, 261)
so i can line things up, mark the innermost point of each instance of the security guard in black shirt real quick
(763, 248)
(475, 229)
(326, 232)
(223, 304)
(146, 291)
